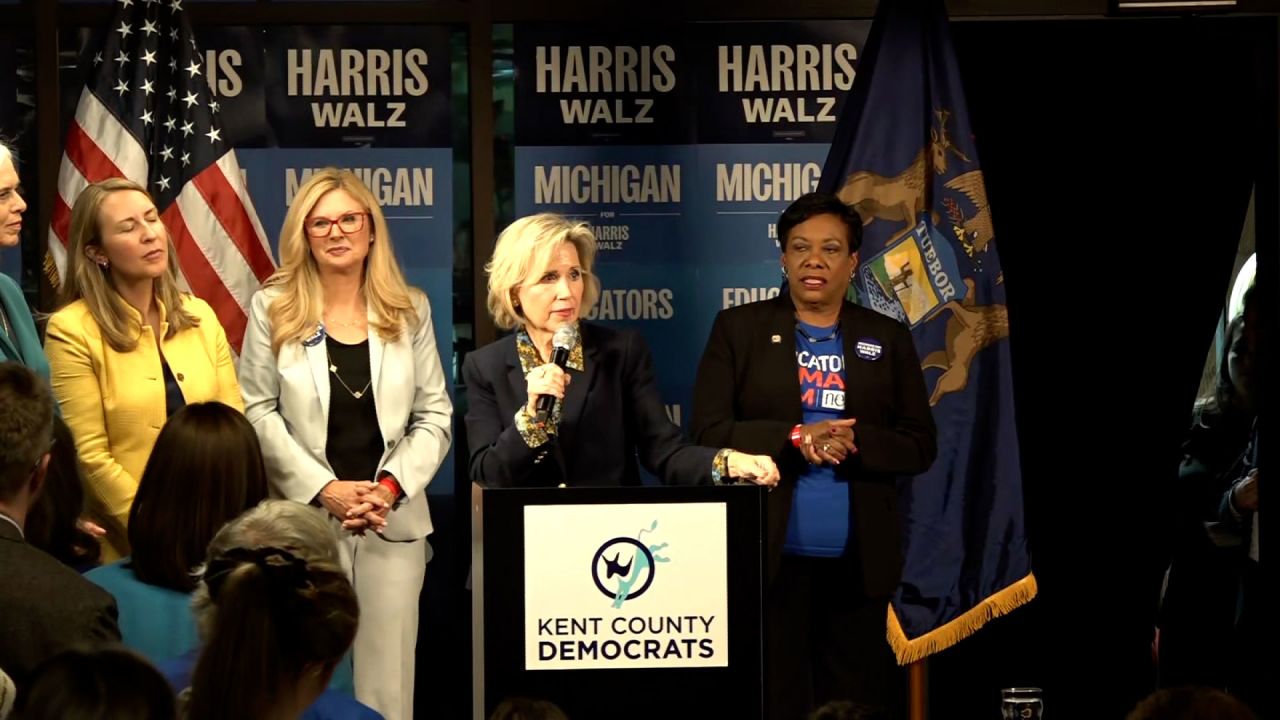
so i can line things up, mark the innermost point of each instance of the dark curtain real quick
(1119, 158)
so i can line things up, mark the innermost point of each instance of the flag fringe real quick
(940, 638)
(51, 271)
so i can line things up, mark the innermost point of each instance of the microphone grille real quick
(565, 337)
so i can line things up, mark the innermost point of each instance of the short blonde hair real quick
(525, 248)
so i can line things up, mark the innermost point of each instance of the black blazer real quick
(46, 607)
(612, 416)
(747, 396)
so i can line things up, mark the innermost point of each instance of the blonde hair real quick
(525, 248)
(7, 154)
(295, 313)
(86, 281)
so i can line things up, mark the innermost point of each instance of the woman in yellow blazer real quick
(128, 349)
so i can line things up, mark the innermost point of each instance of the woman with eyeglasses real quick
(345, 387)
(128, 348)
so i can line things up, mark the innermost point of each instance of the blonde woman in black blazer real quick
(608, 412)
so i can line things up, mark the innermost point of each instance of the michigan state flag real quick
(904, 157)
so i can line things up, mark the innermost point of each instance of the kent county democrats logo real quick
(628, 565)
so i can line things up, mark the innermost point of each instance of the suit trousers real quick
(388, 581)
(825, 640)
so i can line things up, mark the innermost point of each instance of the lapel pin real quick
(316, 338)
(776, 339)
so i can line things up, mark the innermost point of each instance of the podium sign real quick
(625, 586)
(619, 602)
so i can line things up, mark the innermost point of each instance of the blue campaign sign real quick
(634, 197)
(774, 82)
(760, 101)
(738, 193)
(340, 85)
(414, 186)
(602, 86)
(636, 200)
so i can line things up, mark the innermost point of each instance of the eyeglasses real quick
(322, 226)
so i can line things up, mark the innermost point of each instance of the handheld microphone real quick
(561, 343)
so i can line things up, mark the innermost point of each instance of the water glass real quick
(1021, 703)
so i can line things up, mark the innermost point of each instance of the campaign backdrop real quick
(680, 145)
(374, 100)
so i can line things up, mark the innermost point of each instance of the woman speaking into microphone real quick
(561, 401)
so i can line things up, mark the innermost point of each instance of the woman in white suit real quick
(344, 386)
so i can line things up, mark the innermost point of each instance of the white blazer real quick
(286, 399)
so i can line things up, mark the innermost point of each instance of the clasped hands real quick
(360, 505)
(828, 441)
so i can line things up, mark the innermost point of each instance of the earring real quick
(784, 273)
(104, 264)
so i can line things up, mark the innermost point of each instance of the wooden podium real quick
(619, 603)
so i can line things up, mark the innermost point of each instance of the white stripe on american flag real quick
(70, 181)
(231, 168)
(223, 255)
(112, 138)
(220, 245)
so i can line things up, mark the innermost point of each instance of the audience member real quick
(527, 709)
(103, 684)
(206, 469)
(45, 606)
(1190, 703)
(57, 523)
(277, 631)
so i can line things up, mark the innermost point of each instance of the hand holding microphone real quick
(546, 384)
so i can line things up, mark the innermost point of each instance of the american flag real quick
(146, 114)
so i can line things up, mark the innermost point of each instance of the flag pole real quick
(918, 690)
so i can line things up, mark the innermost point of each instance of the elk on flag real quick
(146, 114)
(904, 157)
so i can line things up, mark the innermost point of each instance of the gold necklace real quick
(333, 368)
(358, 325)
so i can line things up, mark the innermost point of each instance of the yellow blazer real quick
(114, 402)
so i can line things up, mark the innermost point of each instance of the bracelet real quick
(795, 436)
(392, 485)
(720, 467)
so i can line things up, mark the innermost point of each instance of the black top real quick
(355, 442)
(173, 399)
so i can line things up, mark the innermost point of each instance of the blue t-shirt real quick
(819, 522)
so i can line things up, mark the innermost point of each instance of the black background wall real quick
(1119, 158)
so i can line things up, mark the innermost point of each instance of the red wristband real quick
(795, 435)
(390, 483)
